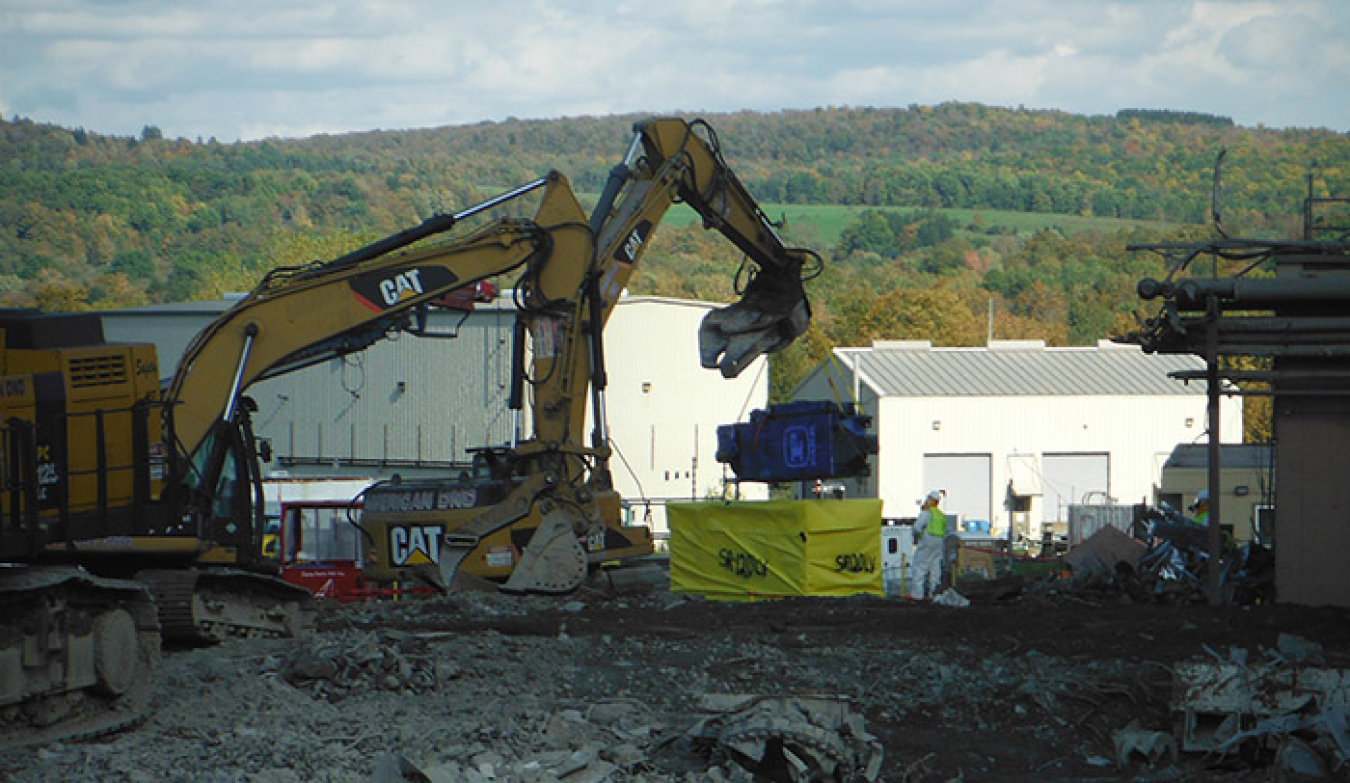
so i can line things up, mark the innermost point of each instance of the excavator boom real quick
(299, 316)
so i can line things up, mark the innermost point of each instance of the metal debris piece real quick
(1151, 745)
(803, 739)
(950, 597)
(1262, 705)
(1296, 649)
(1177, 559)
(1299, 758)
(393, 768)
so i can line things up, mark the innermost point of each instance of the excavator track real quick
(78, 654)
(213, 605)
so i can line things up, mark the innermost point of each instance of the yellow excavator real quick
(127, 510)
(539, 513)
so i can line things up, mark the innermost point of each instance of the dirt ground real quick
(612, 685)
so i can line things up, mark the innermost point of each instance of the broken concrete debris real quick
(1054, 689)
(788, 740)
(950, 597)
(332, 670)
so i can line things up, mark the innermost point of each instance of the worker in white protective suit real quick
(929, 531)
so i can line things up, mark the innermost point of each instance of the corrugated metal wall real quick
(402, 403)
(405, 401)
(408, 401)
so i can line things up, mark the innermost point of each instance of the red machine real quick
(320, 548)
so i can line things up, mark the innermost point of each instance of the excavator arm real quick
(302, 315)
(673, 160)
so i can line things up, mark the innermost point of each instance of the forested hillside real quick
(928, 249)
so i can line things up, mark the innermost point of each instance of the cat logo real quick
(632, 245)
(400, 286)
(411, 545)
(380, 291)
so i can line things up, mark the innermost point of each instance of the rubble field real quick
(1035, 681)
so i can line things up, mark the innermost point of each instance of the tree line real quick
(96, 221)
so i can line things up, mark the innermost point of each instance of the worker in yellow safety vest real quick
(930, 529)
(1201, 507)
(1201, 510)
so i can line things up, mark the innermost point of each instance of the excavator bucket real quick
(553, 562)
(732, 337)
(772, 314)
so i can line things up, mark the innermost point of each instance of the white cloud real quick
(249, 68)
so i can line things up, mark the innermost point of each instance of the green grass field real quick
(827, 221)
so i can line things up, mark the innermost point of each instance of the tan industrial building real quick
(1016, 432)
(414, 406)
(1247, 484)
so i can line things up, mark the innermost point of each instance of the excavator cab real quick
(225, 503)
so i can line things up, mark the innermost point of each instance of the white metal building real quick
(414, 405)
(1018, 431)
(664, 408)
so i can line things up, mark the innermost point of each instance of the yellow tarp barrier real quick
(774, 549)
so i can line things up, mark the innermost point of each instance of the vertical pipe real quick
(1010, 503)
(140, 450)
(516, 395)
(693, 481)
(1214, 540)
(857, 381)
(101, 470)
(599, 378)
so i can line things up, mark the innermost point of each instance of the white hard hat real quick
(1202, 496)
(934, 496)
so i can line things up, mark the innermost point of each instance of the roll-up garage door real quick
(965, 478)
(1072, 478)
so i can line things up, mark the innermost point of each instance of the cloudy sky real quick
(249, 69)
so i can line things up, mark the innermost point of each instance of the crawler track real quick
(77, 654)
(212, 605)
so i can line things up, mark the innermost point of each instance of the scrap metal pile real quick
(1165, 557)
